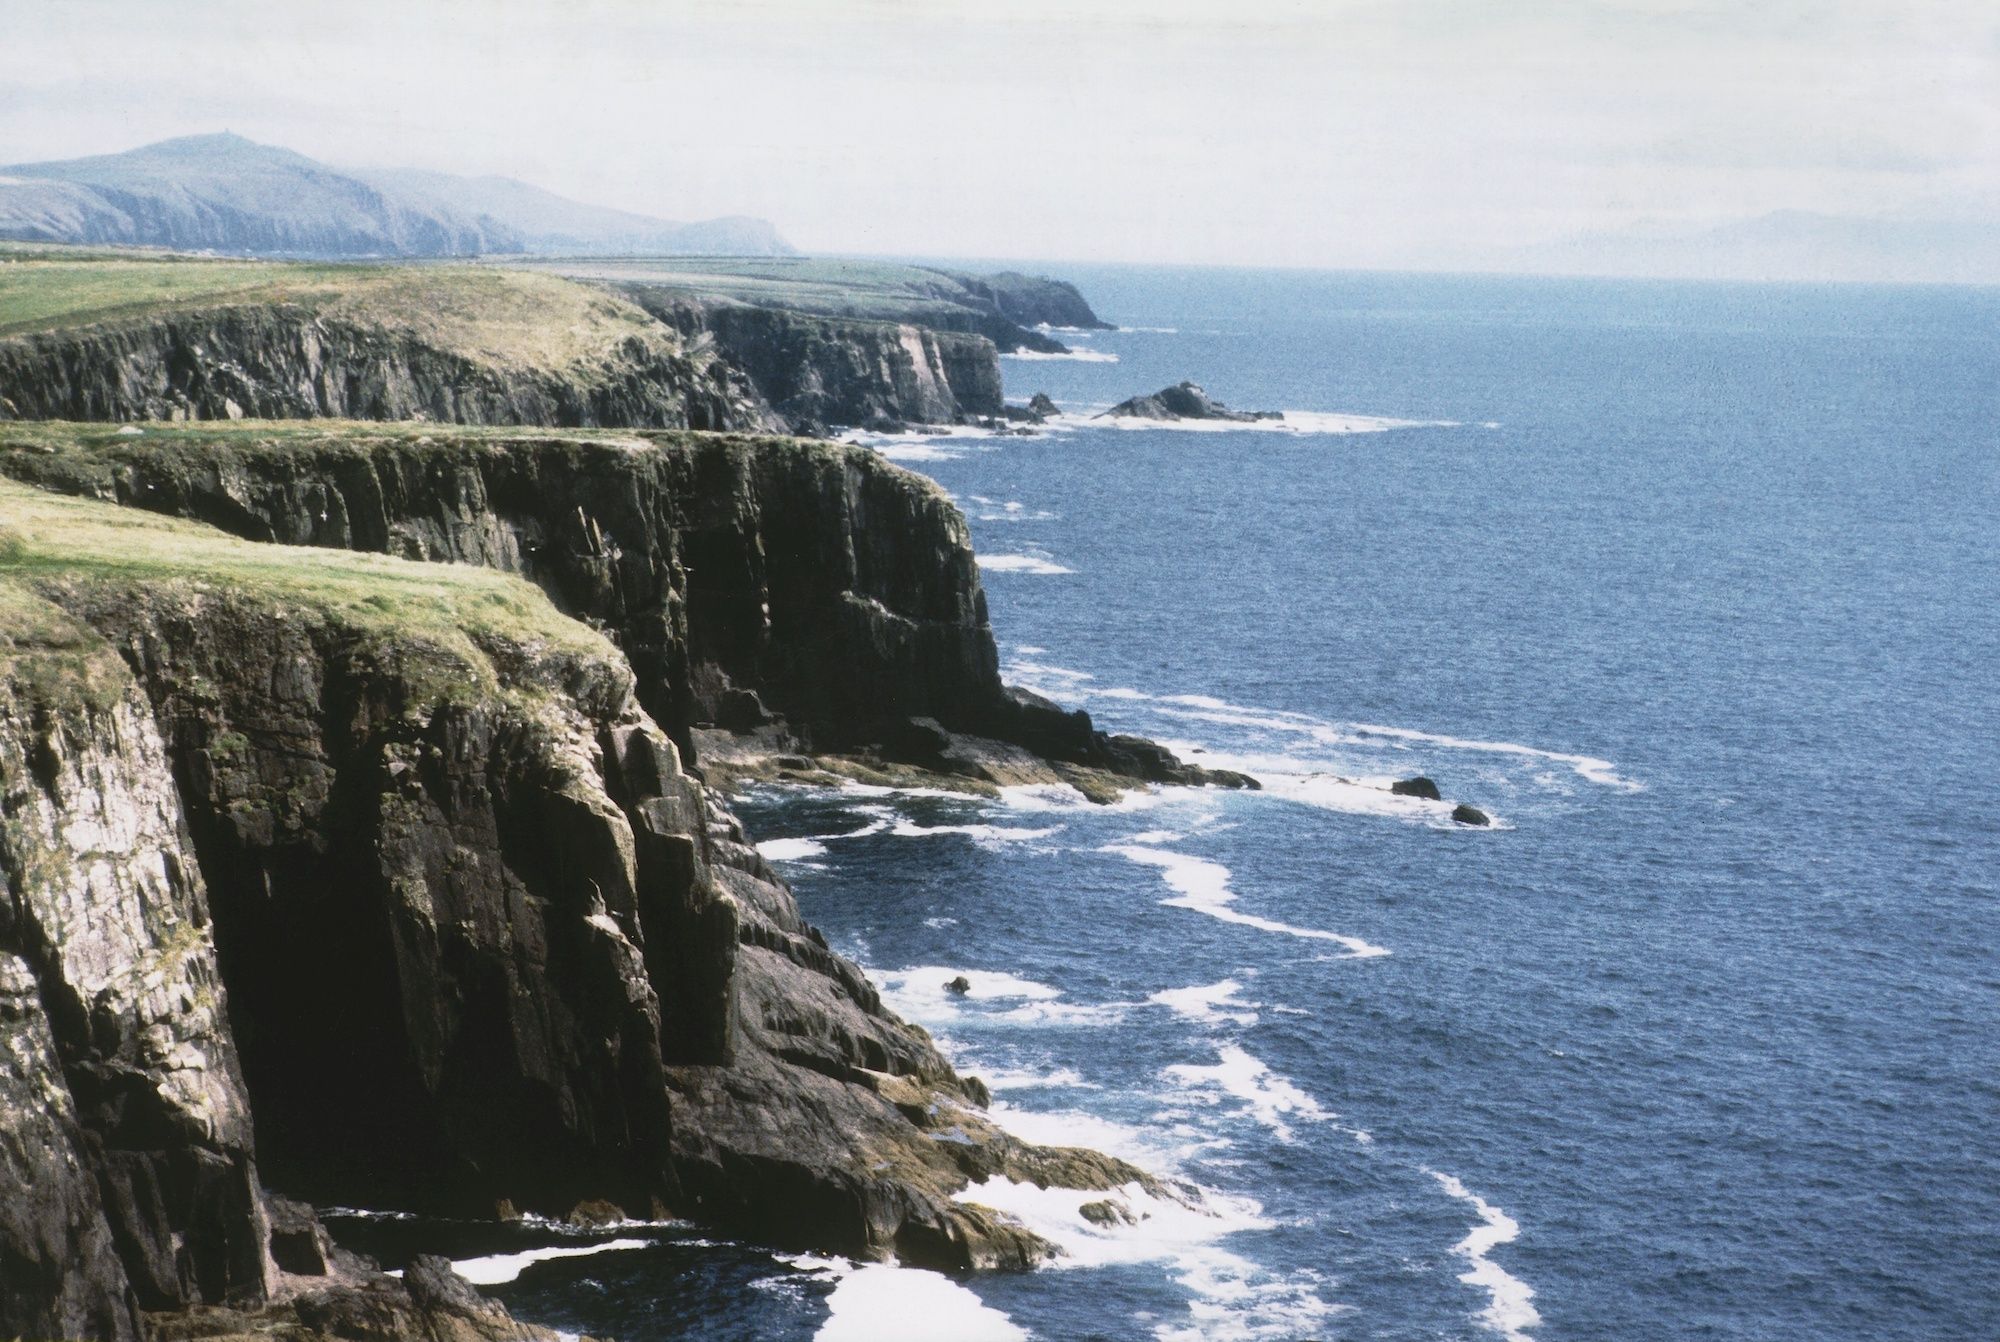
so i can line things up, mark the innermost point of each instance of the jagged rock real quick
(1419, 786)
(429, 1303)
(593, 1212)
(300, 1245)
(1184, 401)
(959, 986)
(1466, 814)
(820, 370)
(126, 1167)
(1041, 405)
(1106, 1213)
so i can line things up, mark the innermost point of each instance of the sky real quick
(1432, 134)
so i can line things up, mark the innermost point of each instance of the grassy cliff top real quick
(867, 290)
(502, 317)
(454, 617)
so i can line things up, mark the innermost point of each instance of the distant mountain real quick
(1787, 245)
(556, 225)
(227, 194)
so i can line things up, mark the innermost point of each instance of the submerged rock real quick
(1420, 786)
(1466, 814)
(1184, 401)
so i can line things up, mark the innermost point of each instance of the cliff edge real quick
(405, 860)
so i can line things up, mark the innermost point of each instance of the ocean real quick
(1694, 589)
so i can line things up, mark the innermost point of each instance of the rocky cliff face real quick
(819, 372)
(407, 839)
(133, 1177)
(286, 361)
(1028, 300)
(743, 577)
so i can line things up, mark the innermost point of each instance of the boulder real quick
(1470, 815)
(959, 986)
(1420, 786)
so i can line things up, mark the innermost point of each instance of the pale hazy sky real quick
(1338, 133)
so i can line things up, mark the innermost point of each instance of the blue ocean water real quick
(1694, 589)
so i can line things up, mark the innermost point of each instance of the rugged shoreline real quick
(449, 819)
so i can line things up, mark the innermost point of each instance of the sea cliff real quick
(410, 866)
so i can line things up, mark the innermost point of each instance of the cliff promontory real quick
(357, 844)
(392, 857)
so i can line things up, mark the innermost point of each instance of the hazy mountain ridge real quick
(1785, 245)
(228, 194)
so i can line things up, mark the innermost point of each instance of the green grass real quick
(505, 318)
(446, 621)
(42, 290)
(875, 290)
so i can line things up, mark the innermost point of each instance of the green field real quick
(506, 318)
(447, 615)
(872, 290)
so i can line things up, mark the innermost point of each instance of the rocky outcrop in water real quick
(1184, 401)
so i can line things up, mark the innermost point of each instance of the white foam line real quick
(921, 993)
(1075, 355)
(1204, 887)
(1210, 1004)
(1233, 1298)
(1587, 767)
(1511, 1311)
(881, 1303)
(1267, 1097)
(500, 1268)
(1021, 564)
(790, 850)
(1206, 708)
(983, 834)
(1298, 423)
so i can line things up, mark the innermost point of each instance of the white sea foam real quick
(1021, 564)
(1299, 423)
(1268, 1098)
(1587, 767)
(500, 1268)
(791, 850)
(880, 1303)
(1211, 1004)
(915, 450)
(1009, 510)
(1078, 355)
(1343, 736)
(986, 836)
(1233, 1298)
(1204, 887)
(1058, 672)
(1000, 1079)
(1511, 1311)
(921, 994)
